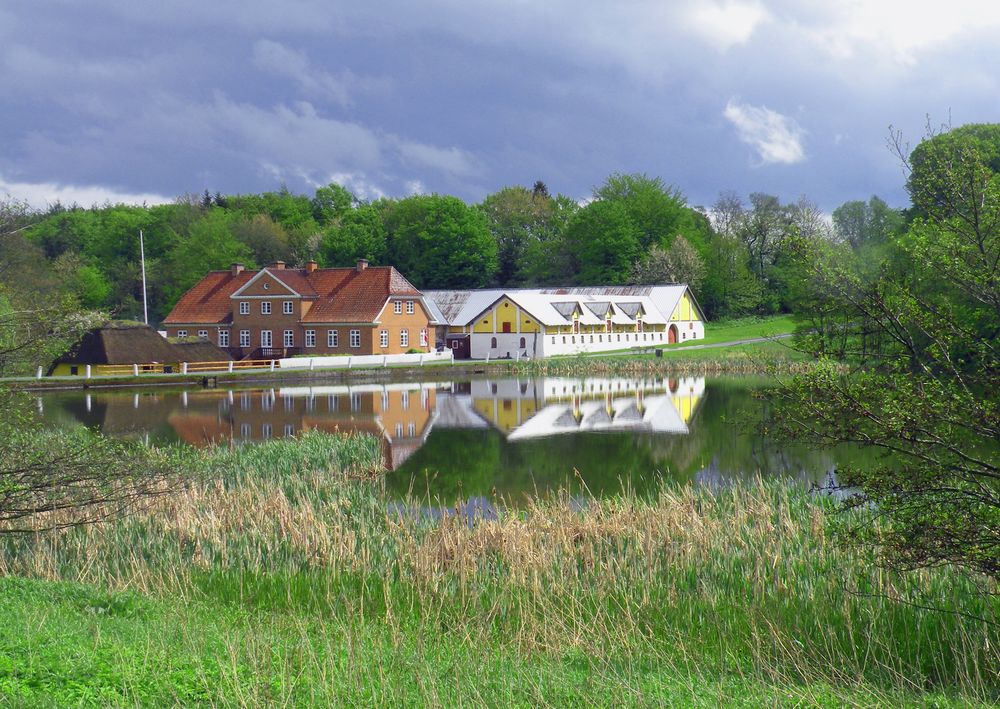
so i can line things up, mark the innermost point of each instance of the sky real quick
(135, 101)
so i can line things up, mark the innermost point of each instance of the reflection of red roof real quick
(339, 294)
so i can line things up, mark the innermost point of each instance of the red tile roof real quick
(339, 294)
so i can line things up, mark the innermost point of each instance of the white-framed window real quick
(399, 430)
(182, 333)
(289, 340)
(244, 338)
(265, 339)
(288, 403)
(265, 431)
(265, 307)
(203, 334)
(383, 338)
(397, 307)
(244, 307)
(223, 338)
(423, 337)
(405, 400)
(286, 307)
(409, 307)
(404, 338)
(310, 338)
(266, 402)
(244, 430)
(411, 429)
(355, 402)
(289, 430)
(355, 338)
(332, 338)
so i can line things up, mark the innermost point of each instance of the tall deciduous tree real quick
(604, 243)
(440, 242)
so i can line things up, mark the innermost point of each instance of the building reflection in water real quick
(402, 414)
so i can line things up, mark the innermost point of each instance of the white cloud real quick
(45, 194)
(728, 23)
(776, 138)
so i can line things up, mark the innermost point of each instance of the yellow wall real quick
(528, 323)
(685, 309)
(484, 323)
(505, 312)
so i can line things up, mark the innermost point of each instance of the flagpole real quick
(142, 259)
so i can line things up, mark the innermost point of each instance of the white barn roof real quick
(554, 306)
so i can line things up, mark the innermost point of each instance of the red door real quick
(506, 327)
(672, 334)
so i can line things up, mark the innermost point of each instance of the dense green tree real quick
(659, 212)
(520, 219)
(861, 224)
(440, 242)
(604, 242)
(358, 233)
(210, 246)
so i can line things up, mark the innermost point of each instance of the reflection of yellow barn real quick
(543, 322)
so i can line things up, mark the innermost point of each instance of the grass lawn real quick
(742, 329)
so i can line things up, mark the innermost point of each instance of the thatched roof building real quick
(118, 342)
(198, 349)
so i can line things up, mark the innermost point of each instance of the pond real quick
(464, 439)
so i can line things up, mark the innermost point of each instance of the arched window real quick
(493, 343)
(524, 343)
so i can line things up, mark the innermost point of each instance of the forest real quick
(739, 256)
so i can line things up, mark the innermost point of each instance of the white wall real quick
(363, 360)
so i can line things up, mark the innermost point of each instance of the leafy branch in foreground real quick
(921, 330)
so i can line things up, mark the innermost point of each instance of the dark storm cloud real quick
(132, 100)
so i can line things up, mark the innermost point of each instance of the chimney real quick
(310, 266)
(362, 264)
(278, 265)
(236, 269)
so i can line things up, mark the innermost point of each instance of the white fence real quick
(351, 361)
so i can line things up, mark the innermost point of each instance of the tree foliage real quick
(921, 330)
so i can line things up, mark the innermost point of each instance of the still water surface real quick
(456, 440)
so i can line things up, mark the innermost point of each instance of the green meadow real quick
(283, 575)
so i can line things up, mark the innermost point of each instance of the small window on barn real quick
(523, 344)
(493, 342)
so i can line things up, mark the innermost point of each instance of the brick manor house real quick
(281, 312)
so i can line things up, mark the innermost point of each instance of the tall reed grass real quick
(692, 583)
